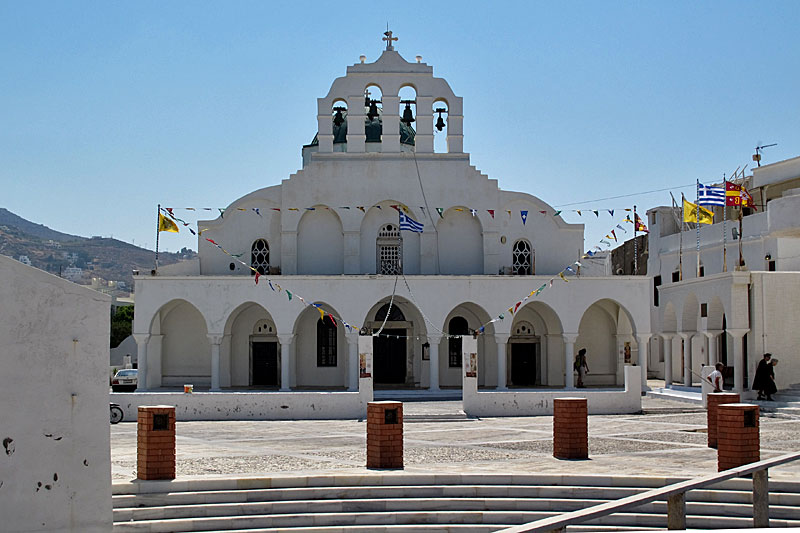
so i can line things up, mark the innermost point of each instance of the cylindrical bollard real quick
(714, 401)
(155, 437)
(738, 440)
(570, 428)
(385, 435)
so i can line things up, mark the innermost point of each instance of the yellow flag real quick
(696, 213)
(321, 314)
(165, 224)
(562, 276)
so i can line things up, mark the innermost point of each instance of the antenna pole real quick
(635, 246)
(725, 226)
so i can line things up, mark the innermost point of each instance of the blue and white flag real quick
(710, 195)
(409, 224)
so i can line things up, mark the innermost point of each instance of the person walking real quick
(715, 377)
(764, 380)
(581, 366)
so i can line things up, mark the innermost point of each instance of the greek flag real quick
(710, 195)
(409, 224)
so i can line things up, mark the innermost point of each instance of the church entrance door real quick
(390, 357)
(265, 363)
(523, 364)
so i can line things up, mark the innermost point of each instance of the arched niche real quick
(464, 319)
(376, 217)
(460, 242)
(339, 124)
(321, 349)
(440, 131)
(535, 352)
(183, 352)
(397, 350)
(605, 327)
(320, 242)
(689, 313)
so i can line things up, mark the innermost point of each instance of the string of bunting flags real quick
(439, 211)
(166, 224)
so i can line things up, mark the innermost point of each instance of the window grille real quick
(395, 315)
(390, 250)
(522, 258)
(259, 257)
(326, 343)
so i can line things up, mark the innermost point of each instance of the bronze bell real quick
(408, 118)
(373, 109)
(338, 119)
(440, 123)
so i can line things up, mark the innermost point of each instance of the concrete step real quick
(416, 502)
(679, 395)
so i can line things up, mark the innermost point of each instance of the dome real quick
(373, 130)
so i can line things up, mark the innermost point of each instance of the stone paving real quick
(668, 439)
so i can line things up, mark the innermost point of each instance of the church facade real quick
(290, 275)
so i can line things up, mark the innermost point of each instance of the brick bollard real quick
(385, 435)
(738, 439)
(570, 428)
(155, 442)
(714, 401)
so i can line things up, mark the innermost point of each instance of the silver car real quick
(125, 380)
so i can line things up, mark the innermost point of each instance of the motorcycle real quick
(116, 413)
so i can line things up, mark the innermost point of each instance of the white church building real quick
(331, 260)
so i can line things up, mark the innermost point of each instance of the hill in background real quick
(54, 252)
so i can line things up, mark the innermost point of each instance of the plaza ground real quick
(668, 439)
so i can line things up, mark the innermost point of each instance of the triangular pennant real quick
(473, 212)
(270, 285)
(440, 210)
(579, 212)
(524, 215)
(508, 211)
(562, 276)
(556, 213)
(221, 212)
(332, 320)
(321, 314)
(289, 294)
(294, 209)
(491, 212)
(611, 212)
(257, 211)
(361, 207)
(258, 275)
(614, 235)
(569, 268)
(311, 208)
(596, 213)
(544, 212)
(517, 306)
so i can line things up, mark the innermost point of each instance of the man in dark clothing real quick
(764, 381)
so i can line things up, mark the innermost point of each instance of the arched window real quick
(259, 257)
(457, 326)
(389, 247)
(395, 315)
(522, 258)
(326, 343)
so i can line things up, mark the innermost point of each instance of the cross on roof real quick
(388, 38)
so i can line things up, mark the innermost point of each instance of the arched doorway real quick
(390, 348)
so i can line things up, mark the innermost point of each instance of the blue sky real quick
(109, 108)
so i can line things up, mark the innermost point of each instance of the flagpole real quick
(635, 246)
(725, 226)
(158, 232)
(740, 264)
(680, 245)
(697, 273)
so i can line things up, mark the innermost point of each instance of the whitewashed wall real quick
(55, 466)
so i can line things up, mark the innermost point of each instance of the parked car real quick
(125, 380)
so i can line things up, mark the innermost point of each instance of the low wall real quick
(540, 402)
(253, 405)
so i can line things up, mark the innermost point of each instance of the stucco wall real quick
(540, 402)
(253, 405)
(55, 468)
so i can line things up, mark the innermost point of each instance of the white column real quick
(644, 351)
(712, 335)
(569, 359)
(141, 359)
(434, 341)
(286, 346)
(667, 346)
(502, 340)
(352, 360)
(215, 339)
(738, 359)
(687, 358)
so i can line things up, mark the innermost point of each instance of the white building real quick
(725, 311)
(73, 273)
(25, 260)
(328, 236)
